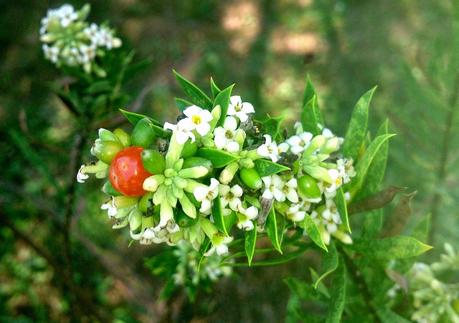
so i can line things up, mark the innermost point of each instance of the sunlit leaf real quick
(266, 167)
(218, 158)
(195, 94)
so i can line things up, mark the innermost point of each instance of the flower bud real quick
(143, 134)
(198, 161)
(146, 202)
(106, 150)
(124, 201)
(135, 220)
(240, 137)
(330, 146)
(228, 173)
(120, 223)
(246, 163)
(153, 161)
(122, 136)
(251, 178)
(308, 188)
(189, 149)
(193, 172)
(107, 135)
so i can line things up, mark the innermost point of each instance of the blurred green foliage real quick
(409, 48)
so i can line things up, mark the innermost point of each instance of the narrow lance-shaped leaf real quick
(313, 232)
(329, 264)
(272, 127)
(357, 130)
(398, 247)
(250, 243)
(217, 157)
(341, 205)
(214, 88)
(311, 117)
(366, 161)
(182, 104)
(338, 295)
(272, 230)
(266, 167)
(223, 99)
(195, 94)
(133, 118)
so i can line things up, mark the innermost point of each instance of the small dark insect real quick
(181, 116)
(163, 145)
(266, 206)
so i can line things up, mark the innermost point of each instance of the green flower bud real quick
(184, 220)
(251, 178)
(124, 201)
(330, 146)
(153, 161)
(135, 221)
(240, 137)
(246, 163)
(106, 150)
(198, 161)
(120, 223)
(107, 135)
(143, 134)
(189, 149)
(122, 136)
(110, 190)
(308, 188)
(228, 173)
(148, 222)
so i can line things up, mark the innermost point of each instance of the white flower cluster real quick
(433, 299)
(235, 191)
(68, 40)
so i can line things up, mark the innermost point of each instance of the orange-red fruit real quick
(127, 172)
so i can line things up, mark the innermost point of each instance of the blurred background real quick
(409, 48)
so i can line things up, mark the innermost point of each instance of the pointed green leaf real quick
(366, 161)
(205, 246)
(272, 126)
(373, 223)
(250, 242)
(266, 167)
(341, 204)
(133, 118)
(313, 232)
(214, 88)
(218, 158)
(182, 104)
(273, 230)
(223, 100)
(219, 218)
(422, 229)
(195, 94)
(357, 130)
(329, 264)
(387, 316)
(311, 117)
(230, 221)
(398, 247)
(338, 296)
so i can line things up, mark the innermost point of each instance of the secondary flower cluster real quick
(214, 169)
(69, 40)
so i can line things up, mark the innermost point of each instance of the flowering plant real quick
(229, 189)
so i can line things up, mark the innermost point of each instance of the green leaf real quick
(219, 218)
(273, 230)
(422, 229)
(311, 117)
(266, 167)
(133, 118)
(341, 204)
(338, 296)
(357, 130)
(195, 94)
(387, 316)
(376, 201)
(250, 243)
(223, 100)
(99, 87)
(218, 158)
(398, 247)
(366, 161)
(373, 223)
(230, 220)
(272, 126)
(214, 87)
(375, 174)
(202, 250)
(182, 104)
(329, 264)
(313, 232)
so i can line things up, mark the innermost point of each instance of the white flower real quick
(336, 182)
(81, 176)
(110, 207)
(219, 245)
(299, 142)
(231, 196)
(345, 169)
(206, 194)
(246, 218)
(225, 137)
(331, 217)
(239, 109)
(181, 134)
(295, 213)
(273, 188)
(269, 149)
(196, 119)
(289, 190)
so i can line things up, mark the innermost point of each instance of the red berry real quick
(127, 172)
